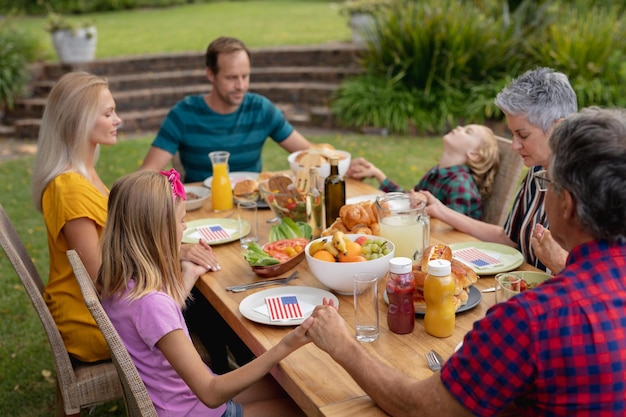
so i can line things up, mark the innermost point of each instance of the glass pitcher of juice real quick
(221, 188)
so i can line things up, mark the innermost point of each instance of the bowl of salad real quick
(287, 202)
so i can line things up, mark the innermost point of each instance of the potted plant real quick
(361, 14)
(74, 42)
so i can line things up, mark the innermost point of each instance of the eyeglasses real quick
(542, 179)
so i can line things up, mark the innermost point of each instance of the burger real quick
(246, 190)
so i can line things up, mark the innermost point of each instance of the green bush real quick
(17, 49)
(437, 63)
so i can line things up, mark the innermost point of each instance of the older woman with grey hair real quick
(533, 105)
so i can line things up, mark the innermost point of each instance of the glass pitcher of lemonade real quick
(221, 188)
(404, 222)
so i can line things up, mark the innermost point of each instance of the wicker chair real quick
(138, 402)
(498, 205)
(78, 386)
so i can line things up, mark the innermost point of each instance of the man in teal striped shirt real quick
(228, 118)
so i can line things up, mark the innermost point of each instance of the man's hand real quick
(329, 330)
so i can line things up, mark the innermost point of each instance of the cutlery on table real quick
(244, 287)
(434, 360)
(491, 289)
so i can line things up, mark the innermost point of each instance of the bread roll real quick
(353, 215)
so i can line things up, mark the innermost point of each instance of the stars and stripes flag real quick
(212, 233)
(476, 257)
(283, 307)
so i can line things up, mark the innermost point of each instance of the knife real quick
(244, 287)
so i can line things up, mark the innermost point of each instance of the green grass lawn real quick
(26, 389)
(191, 27)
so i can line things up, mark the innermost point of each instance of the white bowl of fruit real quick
(335, 259)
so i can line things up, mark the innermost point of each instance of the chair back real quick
(138, 402)
(78, 386)
(497, 206)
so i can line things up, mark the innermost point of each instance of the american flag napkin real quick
(283, 307)
(212, 233)
(476, 257)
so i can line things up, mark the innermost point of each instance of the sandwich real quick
(246, 190)
(463, 275)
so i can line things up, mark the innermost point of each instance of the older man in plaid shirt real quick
(556, 350)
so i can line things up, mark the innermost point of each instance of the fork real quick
(434, 360)
(245, 287)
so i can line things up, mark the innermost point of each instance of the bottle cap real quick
(439, 267)
(334, 160)
(400, 265)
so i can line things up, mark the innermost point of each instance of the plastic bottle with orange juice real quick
(439, 288)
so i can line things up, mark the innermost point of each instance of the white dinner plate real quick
(358, 199)
(252, 306)
(235, 177)
(230, 226)
(509, 257)
(473, 299)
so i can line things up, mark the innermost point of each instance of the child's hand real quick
(360, 169)
(201, 254)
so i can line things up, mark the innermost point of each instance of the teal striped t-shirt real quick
(194, 130)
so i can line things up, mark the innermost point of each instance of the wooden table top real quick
(317, 384)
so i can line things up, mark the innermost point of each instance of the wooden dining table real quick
(315, 382)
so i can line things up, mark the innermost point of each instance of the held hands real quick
(549, 252)
(328, 330)
(360, 169)
(200, 254)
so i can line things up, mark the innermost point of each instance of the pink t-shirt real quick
(141, 324)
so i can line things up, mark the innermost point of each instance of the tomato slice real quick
(278, 249)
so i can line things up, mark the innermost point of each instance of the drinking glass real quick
(366, 306)
(247, 213)
(507, 286)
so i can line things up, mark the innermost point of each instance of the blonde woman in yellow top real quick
(66, 188)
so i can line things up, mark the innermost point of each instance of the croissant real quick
(337, 225)
(368, 205)
(352, 215)
(362, 230)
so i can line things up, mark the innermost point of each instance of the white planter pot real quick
(362, 25)
(75, 46)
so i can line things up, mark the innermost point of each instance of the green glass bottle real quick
(334, 192)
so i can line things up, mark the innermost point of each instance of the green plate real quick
(509, 257)
(230, 226)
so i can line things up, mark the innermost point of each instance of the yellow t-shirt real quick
(70, 196)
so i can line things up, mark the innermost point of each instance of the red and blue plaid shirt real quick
(557, 350)
(453, 186)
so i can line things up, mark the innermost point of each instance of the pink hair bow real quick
(178, 190)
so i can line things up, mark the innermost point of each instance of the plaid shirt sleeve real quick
(494, 364)
(389, 186)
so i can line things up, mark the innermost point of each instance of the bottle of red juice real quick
(400, 288)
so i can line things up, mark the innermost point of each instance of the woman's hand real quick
(201, 254)
(549, 252)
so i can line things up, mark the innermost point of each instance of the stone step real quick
(149, 120)
(302, 79)
(326, 55)
(120, 83)
(305, 93)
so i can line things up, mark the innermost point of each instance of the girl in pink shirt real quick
(144, 291)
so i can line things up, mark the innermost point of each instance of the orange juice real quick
(439, 296)
(221, 189)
